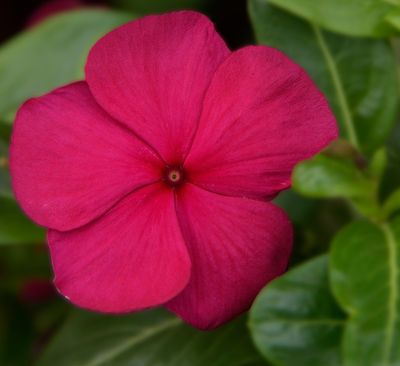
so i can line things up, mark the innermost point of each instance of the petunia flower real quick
(155, 174)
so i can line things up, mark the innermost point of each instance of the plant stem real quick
(346, 114)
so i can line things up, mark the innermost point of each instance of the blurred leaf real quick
(378, 163)
(150, 338)
(391, 177)
(393, 18)
(357, 75)
(328, 177)
(15, 227)
(352, 17)
(316, 221)
(5, 184)
(16, 332)
(295, 320)
(392, 204)
(365, 279)
(20, 264)
(49, 55)
(297, 207)
(5, 131)
(157, 6)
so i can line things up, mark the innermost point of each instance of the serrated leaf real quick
(49, 55)
(357, 75)
(365, 278)
(295, 320)
(151, 338)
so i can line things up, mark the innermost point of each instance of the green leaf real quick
(393, 18)
(378, 163)
(295, 320)
(5, 131)
(5, 183)
(328, 177)
(16, 332)
(298, 208)
(357, 75)
(352, 17)
(392, 204)
(365, 278)
(391, 177)
(147, 339)
(49, 55)
(15, 227)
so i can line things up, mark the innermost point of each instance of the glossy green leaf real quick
(365, 278)
(295, 320)
(328, 177)
(49, 55)
(352, 17)
(357, 75)
(147, 339)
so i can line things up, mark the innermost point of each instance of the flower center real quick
(174, 176)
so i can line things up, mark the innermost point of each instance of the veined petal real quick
(262, 114)
(70, 161)
(131, 258)
(237, 246)
(152, 74)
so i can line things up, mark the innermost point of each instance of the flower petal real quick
(262, 115)
(237, 246)
(70, 161)
(131, 258)
(152, 74)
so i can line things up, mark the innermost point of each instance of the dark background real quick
(234, 27)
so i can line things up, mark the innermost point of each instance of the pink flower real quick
(154, 175)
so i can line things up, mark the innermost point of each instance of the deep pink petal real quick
(262, 115)
(131, 258)
(152, 74)
(237, 245)
(70, 161)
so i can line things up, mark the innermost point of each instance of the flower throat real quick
(174, 176)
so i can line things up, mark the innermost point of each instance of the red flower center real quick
(174, 176)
